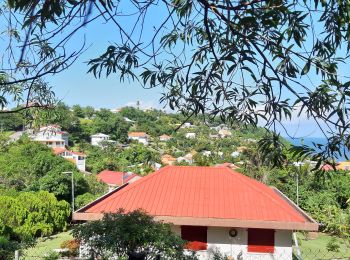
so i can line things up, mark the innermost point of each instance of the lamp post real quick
(71, 173)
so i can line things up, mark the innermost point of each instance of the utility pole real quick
(71, 173)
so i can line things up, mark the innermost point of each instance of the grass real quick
(45, 245)
(317, 248)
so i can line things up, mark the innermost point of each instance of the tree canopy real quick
(260, 61)
(124, 234)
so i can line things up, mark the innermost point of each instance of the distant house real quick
(76, 157)
(190, 135)
(141, 137)
(207, 153)
(99, 139)
(128, 120)
(167, 159)
(224, 133)
(187, 158)
(51, 135)
(187, 125)
(164, 138)
(228, 165)
(115, 179)
(214, 209)
(235, 154)
(115, 110)
(328, 167)
(345, 166)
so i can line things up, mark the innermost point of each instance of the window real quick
(261, 240)
(196, 237)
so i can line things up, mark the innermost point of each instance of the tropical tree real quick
(126, 234)
(259, 61)
(32, 214)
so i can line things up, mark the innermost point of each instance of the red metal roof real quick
(200, 192)
(115, 178)
(137, 134)
(58, 150)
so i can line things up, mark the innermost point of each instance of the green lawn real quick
(317, 248)
(45, 245)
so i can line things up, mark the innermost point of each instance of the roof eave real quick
(215, 222)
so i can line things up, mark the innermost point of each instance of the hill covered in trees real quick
(29, 168)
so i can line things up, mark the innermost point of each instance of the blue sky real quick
(75, 86)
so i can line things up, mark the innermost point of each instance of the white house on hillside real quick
(214, 209)
(98, 139)
(51, 136)
(164, 138)
(76, 157)
(190, 135)
(141, 137)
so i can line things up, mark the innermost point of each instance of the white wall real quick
(218, 239)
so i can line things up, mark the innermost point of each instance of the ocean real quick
(309, 142)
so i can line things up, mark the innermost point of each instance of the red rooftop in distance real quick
(205, 203)
(114, 179)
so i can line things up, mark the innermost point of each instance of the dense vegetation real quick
(130, 234)
(27, 167)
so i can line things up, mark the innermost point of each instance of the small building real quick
(224, 133)
(115, 179)
(164, 138)
(235, 154)
(186, 125)
(188, 158)
(141, 137)
(167, 159)
(51, 135)
(345, 166)
(99, 139)
(128, 120)
(232, 166)
(328, 167)
(190, 135)
(207, 153)
(77, 158)
(216, 207)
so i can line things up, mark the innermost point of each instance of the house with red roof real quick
(213, 208)
(77, 158)
(141, 137)
(51, 135)
(167, 159)
(115, 179)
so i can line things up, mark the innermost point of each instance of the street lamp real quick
(71, 173)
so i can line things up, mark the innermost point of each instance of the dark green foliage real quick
(121, 234)
(28, 165)
(326, 200)
(112, 124)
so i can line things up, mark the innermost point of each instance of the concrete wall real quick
(219, 239)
